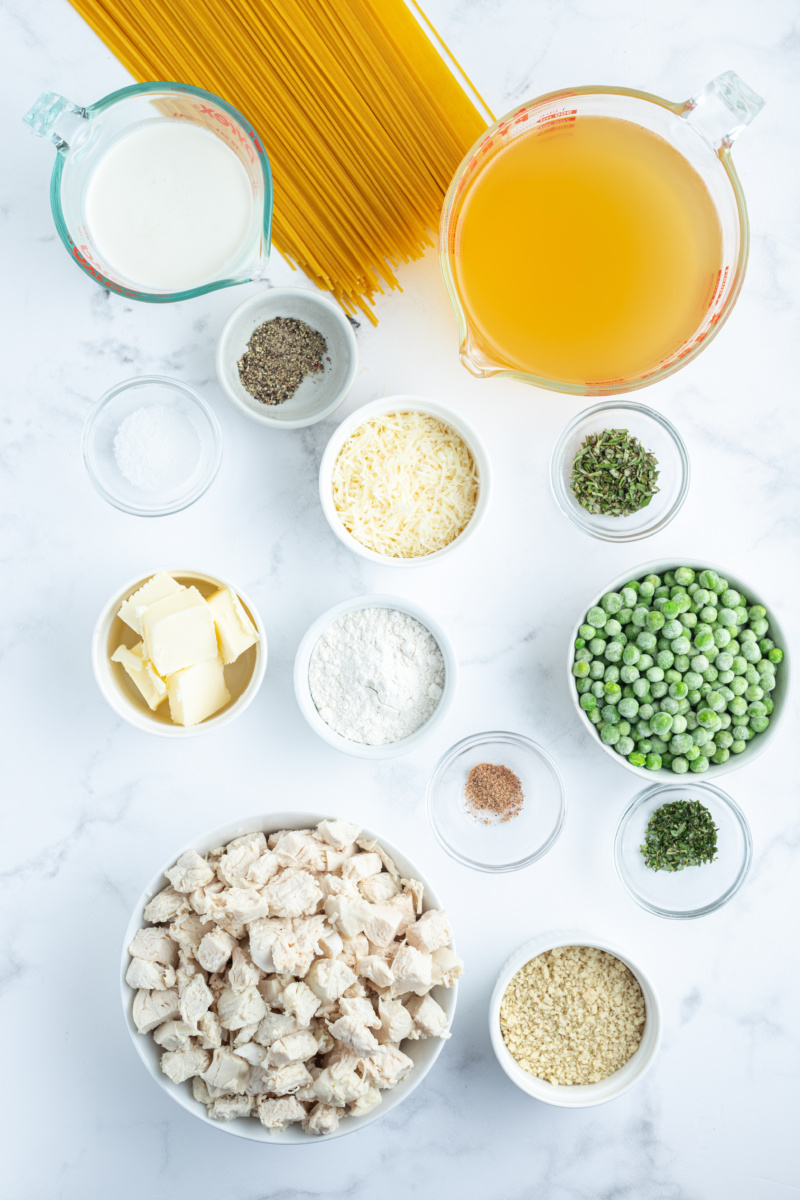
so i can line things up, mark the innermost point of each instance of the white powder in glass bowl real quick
(376, 675)
(156, 448)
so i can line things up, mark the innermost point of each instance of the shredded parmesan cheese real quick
(405, 484)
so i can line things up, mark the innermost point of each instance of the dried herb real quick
(279, 356)
(678, 835)
(613, 475)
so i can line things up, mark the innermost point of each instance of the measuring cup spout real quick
(721, 111)
(58, 119)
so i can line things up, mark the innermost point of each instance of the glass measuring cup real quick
(702, 129)
(81, 137)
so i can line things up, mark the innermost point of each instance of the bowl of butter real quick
(178, 652)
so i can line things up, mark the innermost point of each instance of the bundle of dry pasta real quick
(363, 120)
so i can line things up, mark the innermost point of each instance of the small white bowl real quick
(432, 408)
(580, 1095)
(319, 395)
(424, 1052)
(308, 708)
(758, 744)
(244, 677)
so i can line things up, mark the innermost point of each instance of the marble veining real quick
(90, 806)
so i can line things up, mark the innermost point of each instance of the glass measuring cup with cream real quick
(160, 191)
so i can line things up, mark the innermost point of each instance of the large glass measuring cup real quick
(701, 129)
(83, 135)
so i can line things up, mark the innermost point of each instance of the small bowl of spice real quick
(620, 471)
(682, 852)
(496, 802)
(287, 357)
(573, 1020)
(375, 676)
(151, 446)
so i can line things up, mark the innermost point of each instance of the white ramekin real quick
(308, 708)
(440, 412)
(424, 1052)
(758, 744)
(582, 1095)
(111, 678)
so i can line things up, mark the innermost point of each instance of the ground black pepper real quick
(281, 353)
(493, 793)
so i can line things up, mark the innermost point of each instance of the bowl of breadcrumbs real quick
(573, 1020)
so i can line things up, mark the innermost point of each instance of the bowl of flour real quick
(375, 676)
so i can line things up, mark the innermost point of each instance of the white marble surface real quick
(90, 805)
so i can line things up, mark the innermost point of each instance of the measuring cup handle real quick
(721, 111)
(56, 118)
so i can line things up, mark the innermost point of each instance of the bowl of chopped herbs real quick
(682, 852)
(620, 471)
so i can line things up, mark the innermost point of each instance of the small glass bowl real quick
(694, 891)
(657, 435)
(500, 846)
(98, 445)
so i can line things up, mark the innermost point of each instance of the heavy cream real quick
(169, 206)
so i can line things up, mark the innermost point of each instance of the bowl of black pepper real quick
(287, 357)
(620, 471)
(496, 801)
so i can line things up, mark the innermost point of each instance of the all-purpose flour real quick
(376, 675)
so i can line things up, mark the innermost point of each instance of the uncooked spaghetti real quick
(363, 121)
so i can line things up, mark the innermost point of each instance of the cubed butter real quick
(179, 632)
(197, 692)
(235, 631)
(150, 684)
(157, 588)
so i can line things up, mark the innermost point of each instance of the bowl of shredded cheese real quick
(404, 480)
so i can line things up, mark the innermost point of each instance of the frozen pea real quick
(672, 630)
(682, 599)
(645, 744)
(611, 674)
(692, 753)
(587, 632)
(715, 701)
(680, 743)
(684, 706)
(658, 602)
(629, 674)
(731, 598)
(580, 643)
(659, 689)
(769, 705)
(611, 603)
(613, 693)
(597, 646)
(727, 617)
(655, 621)
(738, 746)
(596, 670)
(725, 691)
(706, 717)
(624, 615)
(724, 720)
(704, 641)
(661, 723)
(611, 628)
(583, 685)
(755, 611)
(760, 628)
(741, 615)
(610, 715)
(700, 736)
(754, 692)
(653, 762)
(750, 652)
(646, 590)
(624, 746)
(665, 659)
(720, 586)
(680, 765)
(639, 616)
(721, 637)
(646, 641)
(661, 592)
(583, 654)
(642, 731)
(659, 744)
(747, 635)
(724, 739)
(710, 674)
(684, 576)
(645, 661)
(671, 676)
(708, 615)
(725, 677)
(666, 758)
(751, 676)
(654, 674)
(759, 724)
(756, 709)
(580, 670)
(596, 617)
(629, 596)
(670, 609)
(694, 697)
(699, 663)
(598, 689)
(653, 580)
(723, 661)
(622, 638)
(669, 578)
(640, 687)
(636, 758)
(700, 598)
(681, 645)
(699, 765)
(744, 733)
(721, 755)
(688, 620)
(594, 716)
(631, 655)
(682, 663)
(669, 705)
(691, 720)
(627, 690)
(765, 666)
(628, 707)
(738, 685)
(613, 652)
(624, 728)
(588, 702)
(679, 690)
(768, 682)
(609, 734)
(646, 711)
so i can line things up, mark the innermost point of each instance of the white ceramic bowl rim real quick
(576, 1095)
(303, 691)
(269, 300)
(759, 744)
(428, 1049)
(133, 714)
(411, 403)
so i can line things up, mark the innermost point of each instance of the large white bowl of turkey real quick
(253, 1056)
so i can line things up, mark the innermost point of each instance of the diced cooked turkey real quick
(173, 1035)
(225, 1108)
(412, 970)
(430, 1019)
(328, 978)
(446, 968)
(151, 1009)
(322, 1119)
(348, 914)
(353, 949)
(144, 974)
(215, 949)
(388, 1067)
(431, 932)
(361, 866)
(339, 1087)
(373, 846)
(210, 1031)
(355, 1035)
(376, 969)
(243, 1036)
(195, 1000)
(190, 872)
(275, 1026)
(300, 849)
(239, 1008)
(243, 972)
(262, 937)
(339, 834)
(377, 889)
(240, 855)
(252, 1053)
(396, 1022)
(288, 1079)
(330, 941)
(188, 930)
(383, 924)
(227, 1071)
(293, 1047)
(245, 904)
(208, 901)
(300, 1002)
(293, 893)
(360, 1008)
(154, 945)
(277, 1115)
(365, 1103)
(262, 870)
(164, 906)
(180, 1065)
